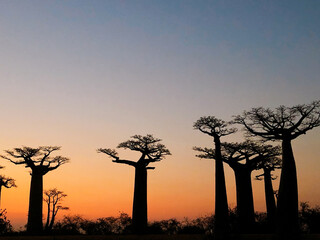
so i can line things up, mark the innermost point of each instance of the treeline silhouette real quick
(309, 222)
(262, 127)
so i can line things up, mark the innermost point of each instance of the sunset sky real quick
(90, 74)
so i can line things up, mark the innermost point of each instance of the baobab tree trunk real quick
(139, 210)
(270, 201)
(221, 202)
(34, 225)
(287, 207)
(245, 206)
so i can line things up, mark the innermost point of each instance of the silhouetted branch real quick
(113, 154)
(206, 153)
(214, 127)
(36, 158)
(289, 122)
(7, 182)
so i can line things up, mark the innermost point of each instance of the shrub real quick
(5, 225)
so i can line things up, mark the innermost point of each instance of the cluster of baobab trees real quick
(282, 124)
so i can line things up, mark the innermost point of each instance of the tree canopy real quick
(283, 122)
(36, 158)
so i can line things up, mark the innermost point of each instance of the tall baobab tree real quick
(40, 161)
(283, 124)
(243, 159)
(53, 198)
(151, 151)
(217, 128)
(268, 167)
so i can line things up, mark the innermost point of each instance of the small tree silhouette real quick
(217, 128)
(6, 182)
(269, 166)
(284, 124)
(53, 198)
(243, 159)
(40, 162)
(151, 151)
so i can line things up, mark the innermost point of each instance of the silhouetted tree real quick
(151, 151)
(284, 124)
(217, 128)
(309, 218)
(53, 198)
(108, 225)
(268, 166)
(5, 225)
(40, 162)
(70, 225)
(7, 183)
(243, 159)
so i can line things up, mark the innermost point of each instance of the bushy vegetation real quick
(309, 218)
(75, 225)
(5, 225)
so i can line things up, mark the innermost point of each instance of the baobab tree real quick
(40, 161)
(151, 151)
(283, 124)
(6, 182)
(217, 128)
(268, 167)
(243, 159)
(53, 199)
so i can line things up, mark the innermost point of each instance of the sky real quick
(89, 74)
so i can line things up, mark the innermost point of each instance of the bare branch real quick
(36, 158)
(214, 127)
(283, 122)
(7, 182)
(110, 152)
(148, 146)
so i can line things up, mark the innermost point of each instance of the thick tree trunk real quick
(34, 225)
(139, 210)
(270, 201)
(221, 202)
(245, 206)
(287, 209)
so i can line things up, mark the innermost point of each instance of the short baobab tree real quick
(217, 128)
(268, 167)
(151, 151)
(6, 182)
(283, 124)
(243, 159)
(40, 161)
(53, 198)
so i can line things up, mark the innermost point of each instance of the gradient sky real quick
(90, 74)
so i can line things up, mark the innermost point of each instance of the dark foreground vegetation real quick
(77, 227)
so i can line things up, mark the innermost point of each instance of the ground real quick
(149, 237)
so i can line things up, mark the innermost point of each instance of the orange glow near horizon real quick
(180, 186)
